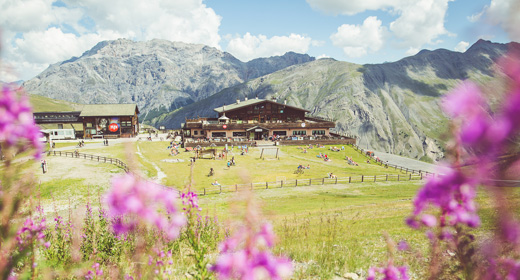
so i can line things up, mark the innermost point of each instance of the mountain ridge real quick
(393, 107)
(158, 75)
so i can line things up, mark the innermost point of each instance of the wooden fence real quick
(409, 176)
(114, 161)
(313, 182)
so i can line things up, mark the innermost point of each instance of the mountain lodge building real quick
(257, 119)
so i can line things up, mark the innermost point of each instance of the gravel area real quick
(405, 162)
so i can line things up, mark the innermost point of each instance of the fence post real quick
(310, 182)
(236, 187)
(220, 186)
(296, 183)
(204, 191)
(375, 178)
(397, 177)
(266, 185)
(421, 175)
(410, 177)
(387, 177)
(251, 186)
(349, 179)
(281, 183)
(336, 180)
(362, 178)
(323, 181)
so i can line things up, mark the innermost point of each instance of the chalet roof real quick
(250, 102)
(100, 110)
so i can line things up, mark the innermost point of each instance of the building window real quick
(126, 123)
(239, 134)
(299, 132)
(60, 126)
(202, 132)
(280, 133)
(281, 111)
(218, 134)
(318, 132)
(195, 132)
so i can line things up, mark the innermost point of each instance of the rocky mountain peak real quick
(158, 75)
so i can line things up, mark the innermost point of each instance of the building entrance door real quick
(258, 135)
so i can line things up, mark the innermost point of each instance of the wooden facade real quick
(110, 120)
(257, 119)
(98, 120)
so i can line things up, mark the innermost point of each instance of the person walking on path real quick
(44, 166)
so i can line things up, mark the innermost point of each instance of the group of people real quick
(325, 157)
(173, 149)
(231, 162)
(81, 144)
(300, 167)
(105, 142)
(336, 149)
(350, 161)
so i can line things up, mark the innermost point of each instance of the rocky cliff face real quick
(158, 75)
(392, 107)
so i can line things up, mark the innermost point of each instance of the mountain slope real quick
(391, 107)
(158, 75)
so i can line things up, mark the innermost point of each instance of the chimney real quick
(285, 102)
(245, 99)
(238, 101)
(256, 97)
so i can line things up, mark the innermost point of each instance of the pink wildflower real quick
(17, 126)
(389, 273)
(142, 199)
(247, 257)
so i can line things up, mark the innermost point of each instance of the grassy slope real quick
(250, 168)
(327, 230)
(45, 104)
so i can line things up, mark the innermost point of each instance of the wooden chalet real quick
(95, 120)
(110, 120)
(257, 119)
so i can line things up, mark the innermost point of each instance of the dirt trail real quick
(92, 172)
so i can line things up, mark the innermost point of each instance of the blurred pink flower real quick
(142, 201)
(17, 126)
(246, 255)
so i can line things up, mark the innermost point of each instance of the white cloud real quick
(25, 15)
(37, 33)
(322, 56)
(505, 13)
(418, 22)
(461, 46)
(421, 23)
(412, 51)
(356, 40)
(249, 46)
(354, 7)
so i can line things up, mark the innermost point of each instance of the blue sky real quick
(37, 33)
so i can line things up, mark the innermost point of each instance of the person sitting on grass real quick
(215, 183)
(308, 166)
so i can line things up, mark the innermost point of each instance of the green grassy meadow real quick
(327, 230)
(251, 168)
